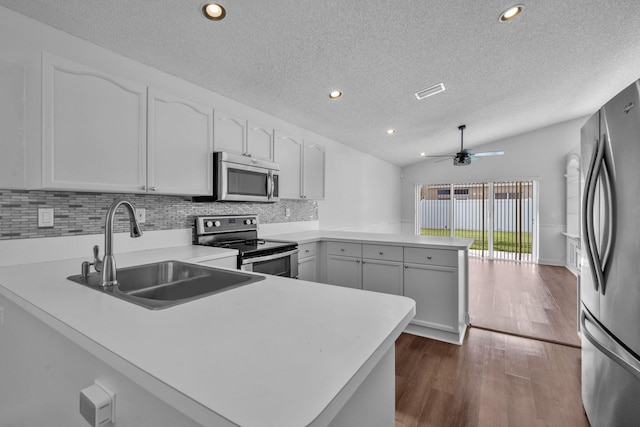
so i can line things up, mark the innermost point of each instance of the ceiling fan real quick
(465, 156)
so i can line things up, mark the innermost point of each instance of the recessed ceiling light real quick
(425, 93)
(213, 11)
(391, 131)
(335, 94)
(510, 13)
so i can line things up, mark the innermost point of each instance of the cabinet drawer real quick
(444, 257)
(382, 252)
(306, 250)
(345, 249)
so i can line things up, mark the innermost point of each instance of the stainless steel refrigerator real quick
(610, 272)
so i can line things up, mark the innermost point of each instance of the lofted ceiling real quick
(557, 61)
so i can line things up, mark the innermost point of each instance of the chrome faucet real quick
(108, 264)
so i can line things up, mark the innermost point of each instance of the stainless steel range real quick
(276, 257)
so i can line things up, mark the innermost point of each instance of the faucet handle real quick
(97, 262)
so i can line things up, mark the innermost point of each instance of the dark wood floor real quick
(492, 380)
(525, 299)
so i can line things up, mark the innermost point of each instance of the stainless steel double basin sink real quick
(168, 283)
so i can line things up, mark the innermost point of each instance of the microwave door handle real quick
(270, 185)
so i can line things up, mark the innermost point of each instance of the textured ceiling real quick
(559, 60)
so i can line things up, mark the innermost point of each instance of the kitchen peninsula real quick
(432, 270)
(277, 352)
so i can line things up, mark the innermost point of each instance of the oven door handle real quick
(269, 257)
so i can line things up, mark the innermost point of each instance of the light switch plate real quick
(45, 217)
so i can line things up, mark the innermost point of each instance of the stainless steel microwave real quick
(238, 178)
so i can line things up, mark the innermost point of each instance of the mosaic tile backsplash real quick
(77, 213)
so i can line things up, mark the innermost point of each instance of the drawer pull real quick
(341, 249)
(428, 256)
(381, 253)
(307, 250)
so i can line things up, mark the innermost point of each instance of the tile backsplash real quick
(77, 213)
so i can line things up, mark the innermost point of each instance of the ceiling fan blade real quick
(441, 155)
(445, 159)
(488, 153)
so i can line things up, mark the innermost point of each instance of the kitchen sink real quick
(168, 283)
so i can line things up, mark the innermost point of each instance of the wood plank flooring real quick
(492, 380)
(524, 299)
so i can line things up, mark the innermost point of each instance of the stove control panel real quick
(225, 223)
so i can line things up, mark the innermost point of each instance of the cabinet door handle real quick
(381, 253)
(364, 262)
(341, 249)
(358, 261)
(144, 187)
(154, 188)
(406, 266)
(307, 250)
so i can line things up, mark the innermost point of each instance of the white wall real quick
(360, 189)
(539, 155)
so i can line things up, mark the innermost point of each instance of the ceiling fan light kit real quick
(465, 156)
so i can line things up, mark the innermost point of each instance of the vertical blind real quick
(499, 216)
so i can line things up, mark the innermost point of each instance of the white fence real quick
(509, 214)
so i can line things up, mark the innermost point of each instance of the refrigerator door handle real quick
(631, 362)
(610, 215)
(587, 214)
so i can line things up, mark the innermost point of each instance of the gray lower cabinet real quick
(435, 290)
(307, 262)
(436, 280)
(344, 271)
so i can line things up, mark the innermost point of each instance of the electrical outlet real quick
(45, 217)
(287, 212)
(141, 214)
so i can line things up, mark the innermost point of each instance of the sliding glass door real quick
(499, 216)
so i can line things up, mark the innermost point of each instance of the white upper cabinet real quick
(302, 167)
(94, 129)
(180, 145)
(288, 154)
(314, 171)
(12, 121)
(259, 141)
(230, 133)
(236, 135)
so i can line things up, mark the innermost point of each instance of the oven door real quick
(283, 264)
(246, 183)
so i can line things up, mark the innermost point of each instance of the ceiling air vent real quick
(425, 93)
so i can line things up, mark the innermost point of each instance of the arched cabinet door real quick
(94, 129)
(314, 171)
(180, 145)
(288, 154)
(259, 141)
(230, 133)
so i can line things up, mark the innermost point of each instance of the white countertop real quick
(378, 238)
(277, 352)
